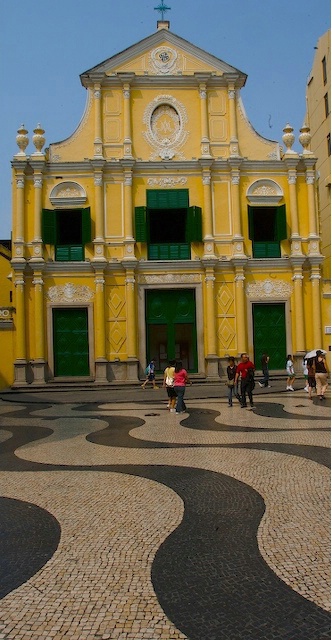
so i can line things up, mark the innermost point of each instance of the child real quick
(231, 371)
(305, 373)
(150, 375)
(169, 384)
(265, 371)
(311, 377)
(290, 372)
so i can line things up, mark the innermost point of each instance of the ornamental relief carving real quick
(165, 118)
(68, 193)
(265, 192)
(70, 293)
(166, 181)
(172, 278)
(164, 60)
(269, 289)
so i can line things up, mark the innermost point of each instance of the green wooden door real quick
(70, 342)
(171, 327)
(270, 334)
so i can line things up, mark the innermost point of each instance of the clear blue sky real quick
(45, 46)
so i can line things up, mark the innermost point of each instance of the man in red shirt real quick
(245, 371)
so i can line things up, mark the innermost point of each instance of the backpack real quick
(251, 378)
(147, 370)
(168, 380)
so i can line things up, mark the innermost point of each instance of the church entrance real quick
(270, 334)
(171, 327)
(70, 342)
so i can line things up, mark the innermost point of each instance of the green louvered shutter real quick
(281, 226)
(251, 222)
(49, 226)
(167, 198)
(62, 253)
(86, 226)
(140, 224)
(194, 224)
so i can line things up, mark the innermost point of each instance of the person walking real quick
(290, 373)
(245, 371)
(305, 373)
(231, 371)
(320, 374)
(168, 383)
(181, 379)
(265, 371)
(150, 375)
(311, 377)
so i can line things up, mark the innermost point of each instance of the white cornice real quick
(182, 80)
(266, 264)
(67, 267)
(223, 165)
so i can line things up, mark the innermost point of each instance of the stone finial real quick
(305, 138)
(22, 140)
(288, 138)
(38, 139)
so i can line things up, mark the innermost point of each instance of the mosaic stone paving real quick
(124, 521)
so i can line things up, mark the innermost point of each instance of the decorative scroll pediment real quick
(68, 194)
(264, 192)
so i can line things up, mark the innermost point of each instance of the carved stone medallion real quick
(165, 118)
(163, 60)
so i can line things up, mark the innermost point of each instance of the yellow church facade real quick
(164, 227)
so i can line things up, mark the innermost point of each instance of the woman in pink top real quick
(180, 380)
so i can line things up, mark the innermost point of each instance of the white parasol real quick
(312, 354)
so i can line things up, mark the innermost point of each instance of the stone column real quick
(205, 138)
(18, 218)
(291, 163)
(20, 364)
(312, 214)
(240, 309)
(37, 242)
(100, 328)
(99, 240)
(207, 212)
(233, 135)
(316, 304)
(98, 141)
(132, 360)
(128, 210)
(19, 165)
(238, 239)
(299, 335)
(127, 142)
(211, 357)
(38, 364)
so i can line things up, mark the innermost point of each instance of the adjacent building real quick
(6, 316)
(164, 227)
(319, 121)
